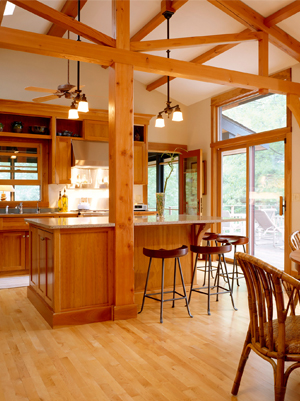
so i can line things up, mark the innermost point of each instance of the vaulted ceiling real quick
(228, 34)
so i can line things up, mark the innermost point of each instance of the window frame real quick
(42, 171)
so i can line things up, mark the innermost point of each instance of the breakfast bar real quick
(72, 277)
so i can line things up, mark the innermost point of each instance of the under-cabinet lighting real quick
(9, 8)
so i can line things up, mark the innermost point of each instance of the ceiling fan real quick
(67, 90)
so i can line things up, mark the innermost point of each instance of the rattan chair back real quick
(295, 240)
(272, 334)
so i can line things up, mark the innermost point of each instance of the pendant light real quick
(177, 114)
(80, 103)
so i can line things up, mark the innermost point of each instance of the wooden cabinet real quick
(63, 160)
(42, 264)
(13, 255)
(95, 130)
(140, 163)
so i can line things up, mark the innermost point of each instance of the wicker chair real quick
(295, 241)
(271, 337)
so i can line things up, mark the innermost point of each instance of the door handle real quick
(282, 205)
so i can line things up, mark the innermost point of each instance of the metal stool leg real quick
(218, 276)
(230, 289)
(146, 285)
(208, 289)
(183, 286)
(194, 273)
(162, 290)
(174, 284)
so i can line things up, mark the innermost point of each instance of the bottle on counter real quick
(59, 204)
(64, 199)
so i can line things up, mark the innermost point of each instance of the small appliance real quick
(139, 207)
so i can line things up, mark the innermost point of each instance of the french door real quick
(252, 185)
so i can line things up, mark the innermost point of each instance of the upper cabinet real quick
(95, 130)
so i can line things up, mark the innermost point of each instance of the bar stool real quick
(235, 240)
(166, 254)
(212, 250)
(208, 237)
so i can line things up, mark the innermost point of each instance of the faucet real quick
(20, 208)
(37, 208)
(6, 209)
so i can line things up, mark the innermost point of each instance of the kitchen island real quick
(72, 278)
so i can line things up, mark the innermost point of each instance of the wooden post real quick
(121, 166)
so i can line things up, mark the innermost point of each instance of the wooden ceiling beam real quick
(254, 21)
(178, 43)
(64, 21)
(70, 9)
(293, 104)
(263, 55)
(63, 48)
(158, 19)
(203, 58)
(282, 14)
(2, 8)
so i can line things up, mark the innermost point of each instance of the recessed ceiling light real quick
(9, 8)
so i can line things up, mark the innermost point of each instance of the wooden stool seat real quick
(166, 254)
(212, 250)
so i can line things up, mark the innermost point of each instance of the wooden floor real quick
(138, 359)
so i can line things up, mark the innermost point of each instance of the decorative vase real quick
(160, 203)
(17, 126)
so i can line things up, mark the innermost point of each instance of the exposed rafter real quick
(283, 13)
(2, 8)
(63, 48)
(158, 19)
(70, 9)
(178, 43)
(255, 21)
(203, 58)
(64, 21)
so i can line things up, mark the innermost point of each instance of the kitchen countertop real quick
(89, 222)
(44, 214)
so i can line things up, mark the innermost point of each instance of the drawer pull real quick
(43, 238)
(23, 236)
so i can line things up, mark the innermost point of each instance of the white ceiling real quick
(195, 18)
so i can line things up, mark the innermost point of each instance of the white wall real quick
(295, 160)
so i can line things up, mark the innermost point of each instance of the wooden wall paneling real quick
(121, 165)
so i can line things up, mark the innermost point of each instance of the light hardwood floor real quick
(138, 359)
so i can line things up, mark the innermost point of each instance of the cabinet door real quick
(46, 266)
(12, 251)
(140, 163)
(63, 161)
(95, 130)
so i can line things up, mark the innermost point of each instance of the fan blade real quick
(44, 98)
(75, 88)
(35, 89)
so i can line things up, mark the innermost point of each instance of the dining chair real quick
(294, 240)
(273, 334)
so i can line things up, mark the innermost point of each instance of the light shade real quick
(159, 122)
(177, 114)
(73, 113)
(83, 105)
(7, 188)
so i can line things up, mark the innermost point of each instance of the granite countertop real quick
(42, 214)
(88, 222)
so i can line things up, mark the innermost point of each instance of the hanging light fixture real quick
(177, 114)
(80, 103)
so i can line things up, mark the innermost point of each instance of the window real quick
(251, 116)
(158, 171)
(20, 166)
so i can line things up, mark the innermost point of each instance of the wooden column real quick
(121, 166)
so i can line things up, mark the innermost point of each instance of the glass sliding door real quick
(252, 182)
(266, 178)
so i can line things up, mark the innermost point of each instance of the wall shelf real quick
(25, 135)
